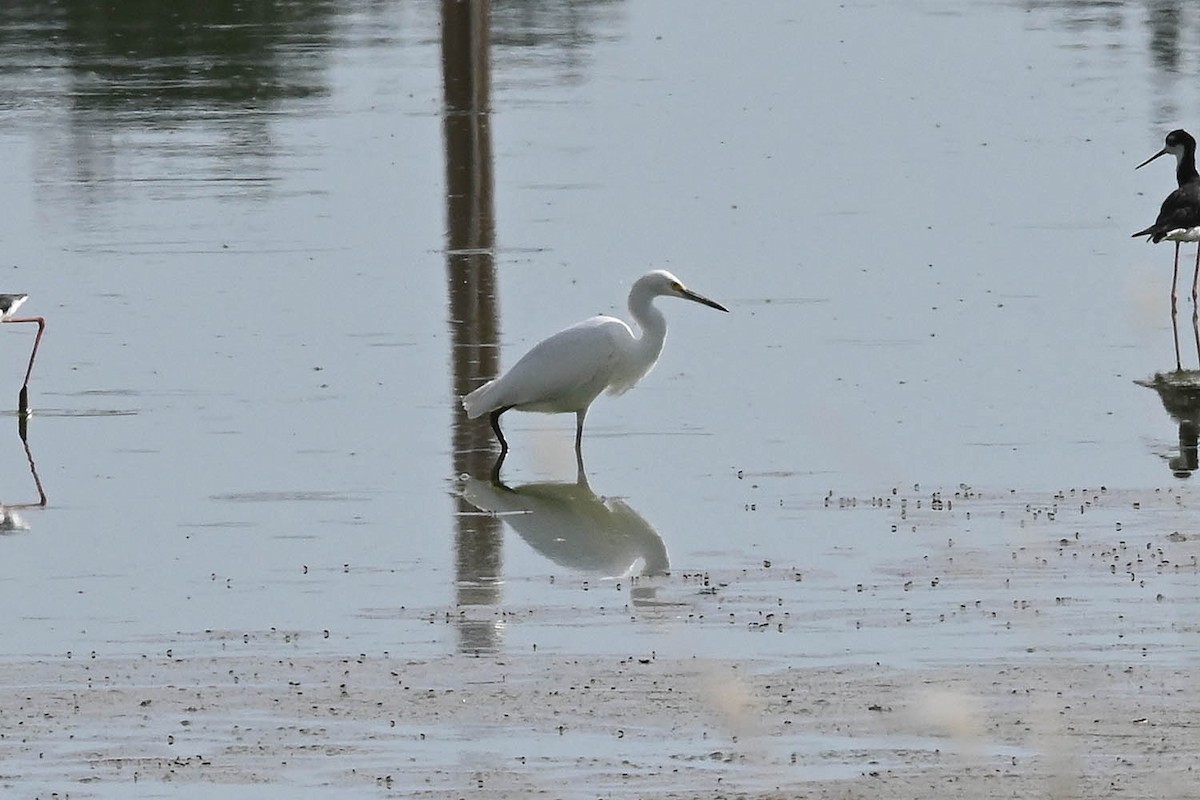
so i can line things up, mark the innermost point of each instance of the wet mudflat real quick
(550, 726)
(904, 520)
(1036, 645)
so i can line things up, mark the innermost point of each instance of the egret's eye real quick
(677, 286)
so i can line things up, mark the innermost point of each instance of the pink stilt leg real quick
(1175, 330)
(23, 400)
(1196, 275)
(1175, 279)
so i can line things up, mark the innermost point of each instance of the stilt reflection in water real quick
(573, 527)
(1179, 391)
(10, 520)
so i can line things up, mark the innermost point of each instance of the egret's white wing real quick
(562, 373)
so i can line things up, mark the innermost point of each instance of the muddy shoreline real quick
(1030, 645)
(555, 726)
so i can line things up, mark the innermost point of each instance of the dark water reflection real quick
(471, 288)
(555, 37)
(1165, 21)
(159, 64)
(1172, 29)
(155, 62)
(105, 78)
(123, 90)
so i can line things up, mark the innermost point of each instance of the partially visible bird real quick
(1179, 217)
(9, 303)
(1179, 143)
(11, 521)
(567, 371)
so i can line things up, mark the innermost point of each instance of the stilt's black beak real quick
(1162, 152)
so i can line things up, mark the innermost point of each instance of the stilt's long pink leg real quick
(23, 400)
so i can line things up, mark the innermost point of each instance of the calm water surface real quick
(274, 242)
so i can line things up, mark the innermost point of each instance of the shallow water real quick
(275, 242)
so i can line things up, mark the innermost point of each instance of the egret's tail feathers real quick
(476, 403)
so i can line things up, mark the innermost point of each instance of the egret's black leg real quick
(496, 470)
(580, 472)
(495, 419)
(579, 415)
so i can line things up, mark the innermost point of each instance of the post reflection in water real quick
(1179, 391)
(471, 286)
(10, 520)
(573, 527)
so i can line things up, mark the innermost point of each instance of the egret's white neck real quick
(653, 327)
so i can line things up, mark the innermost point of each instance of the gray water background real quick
(236, 224)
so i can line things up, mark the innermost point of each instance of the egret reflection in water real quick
(572, 526)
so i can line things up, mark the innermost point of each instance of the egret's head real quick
(661, 282)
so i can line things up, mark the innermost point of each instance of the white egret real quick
(567, 371)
